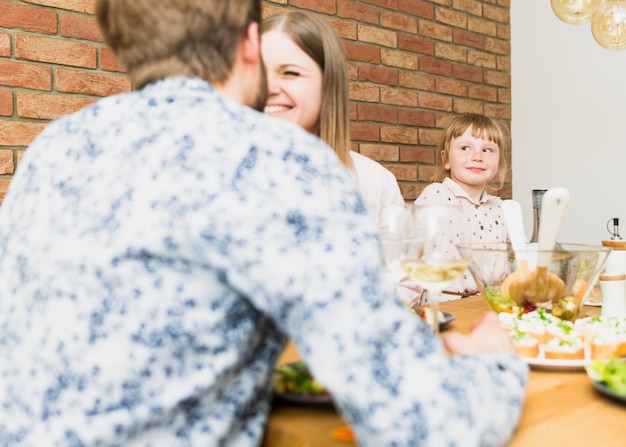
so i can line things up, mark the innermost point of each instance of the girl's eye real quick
(487, 149)
(466, 148)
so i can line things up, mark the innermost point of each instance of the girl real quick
(308, 85)
(471, 161)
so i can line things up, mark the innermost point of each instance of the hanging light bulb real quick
(575, 11)
(609, 25)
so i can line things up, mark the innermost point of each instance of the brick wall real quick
(413, 64)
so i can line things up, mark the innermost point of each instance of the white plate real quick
(562, 365)
(541, 362)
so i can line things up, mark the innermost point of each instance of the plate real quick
(602, 388)
(555, 364)
(301, 399)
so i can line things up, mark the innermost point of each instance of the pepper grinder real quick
(613, 279)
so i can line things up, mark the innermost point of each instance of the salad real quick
(611, 372)
(295, 378)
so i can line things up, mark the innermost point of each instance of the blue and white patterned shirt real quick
(156, 251)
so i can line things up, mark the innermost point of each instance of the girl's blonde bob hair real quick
(482, 127)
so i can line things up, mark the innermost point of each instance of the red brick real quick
(482, 26)
(364, 92)
(54, 50)
(481, 59)
(417, 80)
(400, 59)
(19, 74)
(324, 6)
(352, 107)
(411, 191)
(380, 152)
(6, 103)
(378, 75)
(108, 60)
(80, 27)
(91, 83)
(426, 173)
(504, 32)
(450, 52)
(345, 29)
(282, 2)
(472, 6)
(27, 18)
(5, 44)
(497, 78)
(467, 38)
(416, 44)
(497, 13)
(416, 117)
(424, 155)
(452, 87)
(397, 21)
(483, 92)
(4, 186)
(353, 71)
(504, 95)
(435, 102)
(467, 73)
(357, 11)
(435, 66)
(389, 4)
(403, 171)
(269, 10)
(451, 17)
(417, 8)
(497, 46)
(16, 133)
(468, 106)
(48, 106)
(378, 113)
(430, 137)
(364, 132)
(87, 6)
(375, 35)
(435, 31)
(362, 53)
(398, 97)
(6, 162)
(502, 111)
(396, 134)
(503, 63)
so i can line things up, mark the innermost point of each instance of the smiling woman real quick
(308, 85)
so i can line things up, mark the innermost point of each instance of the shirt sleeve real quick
(312, 262)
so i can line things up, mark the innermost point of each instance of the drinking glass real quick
(420, 249)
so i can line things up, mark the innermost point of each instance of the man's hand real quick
(486, 335)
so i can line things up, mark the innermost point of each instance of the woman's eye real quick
(291, 73)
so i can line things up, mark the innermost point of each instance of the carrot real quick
(343, 434)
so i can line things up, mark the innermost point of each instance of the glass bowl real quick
(560, 287)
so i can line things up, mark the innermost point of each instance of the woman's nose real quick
(272, 84)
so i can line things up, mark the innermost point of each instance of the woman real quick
(308, 85)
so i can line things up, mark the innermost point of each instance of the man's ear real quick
(251, 45)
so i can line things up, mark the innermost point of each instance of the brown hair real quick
(321, 43)
(482, 126)
(154, 39)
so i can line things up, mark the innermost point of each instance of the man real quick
(160, 246)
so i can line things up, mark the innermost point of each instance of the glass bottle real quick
(537, 198)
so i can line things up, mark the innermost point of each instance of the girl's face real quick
(472, 162)
(294, 81)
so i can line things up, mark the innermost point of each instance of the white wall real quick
(568, 120)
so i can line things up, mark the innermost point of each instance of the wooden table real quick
(561, 407)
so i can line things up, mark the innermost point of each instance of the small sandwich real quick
(608, 343)
(525, 345)
(572, 349)
(563, 330)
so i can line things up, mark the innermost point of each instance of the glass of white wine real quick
(423, 242)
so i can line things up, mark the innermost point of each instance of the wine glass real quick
(419, 250)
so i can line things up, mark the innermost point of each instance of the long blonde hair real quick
(482, 126)
(321, 43)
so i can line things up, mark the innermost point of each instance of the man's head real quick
(154, 39)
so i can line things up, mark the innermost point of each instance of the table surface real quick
(560, 406)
